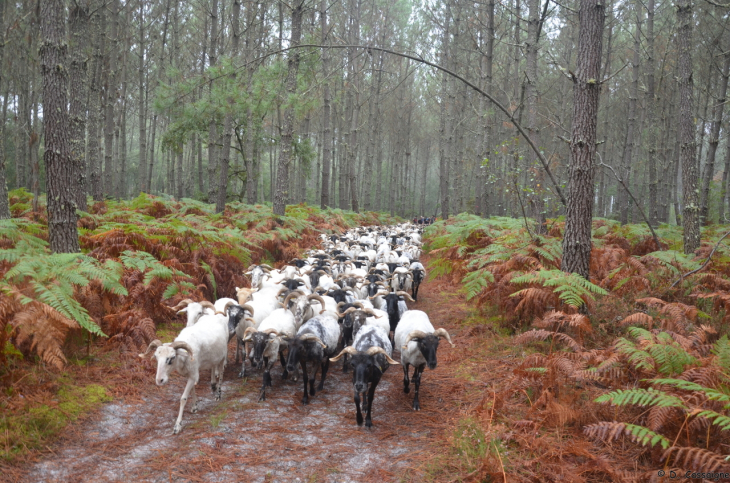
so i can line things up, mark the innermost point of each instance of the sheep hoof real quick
(177, 429)
(194, 409)
(241, 375)
(406, 389)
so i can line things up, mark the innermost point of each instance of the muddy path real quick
(242, 439)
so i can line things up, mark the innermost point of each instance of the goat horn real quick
(319, 299)
(182, 304)
(270, 331)
(379, 350)
(347, 350)
(153, 345)
(405, 294)
(294, 293)
(442, 333)
(314, 338)
(416, 334)
(248, 308)
(207, 305)
(247, 332)
(348, 311)
(228, 304)
(179, 344)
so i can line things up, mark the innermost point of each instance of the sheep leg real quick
(357, 406)
(221, 370)
(266, 380)
(417, 382)
(238, 349)
(282, 360)
(190, 386)
(194, 401)
(325, 368)
(315, 370)
(370, 396)
(305, 379)
(406, 382)
(344, 364)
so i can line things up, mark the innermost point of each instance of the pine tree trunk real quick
(623, 197)
(110, 87)
(443, 127)
(225, 157)
(62, 232)
(281, 195)
(212, 126)
(717, 110)
(79, 41)
(586, 91)
(4, 202)
(686, 134)
(142, 104)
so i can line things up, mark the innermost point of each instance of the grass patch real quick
(22, 431)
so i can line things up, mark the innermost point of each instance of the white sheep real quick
(417, 340)
(199, 347)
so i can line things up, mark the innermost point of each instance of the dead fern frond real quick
(541, 335)
(694, 458)
(639, 318)
(611, 430)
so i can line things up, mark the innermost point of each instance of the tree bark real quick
(93, 161)
(281, 195)
(717, 111)
(586, 91)
(142, 104)
(686, 134)
(4, 202)
(228, 122)
(79, 42)
(62, 232)
(629, 143)
(110, 63)
(212, 124)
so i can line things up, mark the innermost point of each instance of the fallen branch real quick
(703, 265)
(646, 220)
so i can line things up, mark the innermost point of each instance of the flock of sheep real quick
(342, 302)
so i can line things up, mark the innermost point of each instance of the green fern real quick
(53, 278)
(721, 350)
(571, 288)
(476, 281)
(641, 397)
(713, 394)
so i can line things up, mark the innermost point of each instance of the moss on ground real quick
(38, 423)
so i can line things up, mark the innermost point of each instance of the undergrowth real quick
(639, 353)
(139, 258)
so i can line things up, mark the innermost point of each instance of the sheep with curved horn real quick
(315, 342)
(194, 310)
(267, 343)
(418, 342)
(199, 347)
(370, 357)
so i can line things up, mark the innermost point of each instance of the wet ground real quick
(277, 440)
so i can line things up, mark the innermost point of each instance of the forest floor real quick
(279, 439)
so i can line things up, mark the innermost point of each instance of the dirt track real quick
(241, 439)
